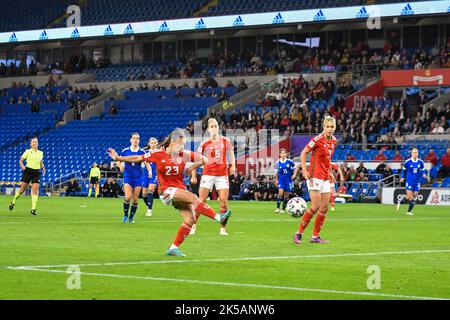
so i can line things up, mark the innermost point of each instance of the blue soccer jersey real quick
(412, 171)
(132, 173)
(145, 179)
(285, 170)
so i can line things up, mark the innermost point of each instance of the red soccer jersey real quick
(322, 150)
(216, 152)
(170, 168)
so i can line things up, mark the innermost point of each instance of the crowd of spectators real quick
(64, 93)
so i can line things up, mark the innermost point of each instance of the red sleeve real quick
(149, 157)
(334, 166)
(228, 145)
(311, 145)
(189, 156)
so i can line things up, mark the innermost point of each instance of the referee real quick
(31, 174)
(94, 177)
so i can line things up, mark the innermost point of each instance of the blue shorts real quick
(287, 186)
(133, 182)
(146, 181)
(415, 187)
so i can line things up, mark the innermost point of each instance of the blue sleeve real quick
(422, 167)
(404, 170)
(276, 166)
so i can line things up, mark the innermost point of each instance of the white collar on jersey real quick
(414, 160)
(136, 150)
(284, 160)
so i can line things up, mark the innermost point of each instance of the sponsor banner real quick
(418, 78)
(369, 93)
(317, 15)
(261, 162)
(427, 196)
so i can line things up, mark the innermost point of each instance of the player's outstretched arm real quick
(113, 154)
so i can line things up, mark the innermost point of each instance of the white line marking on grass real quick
(317, 256)
(235, 220)
(248, 285)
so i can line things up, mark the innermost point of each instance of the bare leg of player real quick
(332, 198)
(199, 206)
(408, 197)
(203, 195)
(223, 199)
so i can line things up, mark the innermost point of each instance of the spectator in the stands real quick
(381, 156)
(73, 187)
(350, 157)
(351, 174)
(398, 156)
(362, 168)
(432, 157)
(242, 85)
(444, 171)
(381, 168)
(361, 177)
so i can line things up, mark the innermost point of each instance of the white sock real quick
(217, 217)
(172, 246)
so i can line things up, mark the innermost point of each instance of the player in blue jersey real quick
(149, 182)
(413, 170)
(132, 178)
(284, 170)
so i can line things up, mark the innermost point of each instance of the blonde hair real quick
(212, 120)
(328, 119)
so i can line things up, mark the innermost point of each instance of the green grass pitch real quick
(258, 260)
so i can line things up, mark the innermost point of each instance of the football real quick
(296, 207)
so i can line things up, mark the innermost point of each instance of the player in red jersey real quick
(170, 162)
(317, 178)
(215, 171)
(334, 168)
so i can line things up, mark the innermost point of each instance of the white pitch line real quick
(248, 285)
(317, 256)
(236, 220)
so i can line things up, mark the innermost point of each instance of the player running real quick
(415, 170)
(170, 163)
(31, 174)
(132, 178)
(317, 179)
(149, 182)
(284, 178)
(215, 171)
(334, 168)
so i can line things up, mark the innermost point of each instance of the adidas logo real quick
(362, 13)
(200, 24)
(407, 10)
(108, 31)
(13, 37)
(164, 27)
(319, 16)
(128, 29)
(75, 34)
(43, 36)
(238, 22)
(278, 19)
